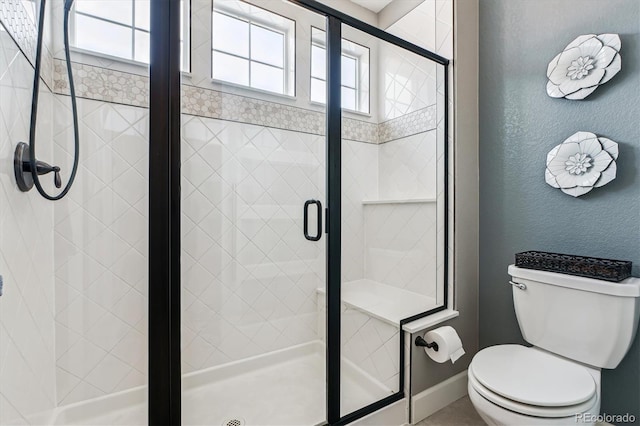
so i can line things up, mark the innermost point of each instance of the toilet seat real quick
(532, 382)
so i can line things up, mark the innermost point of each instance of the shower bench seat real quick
(382, 301)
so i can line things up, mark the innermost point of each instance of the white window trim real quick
(358, 88)
(288, 60)
(185, 67)
(247, 91)
(250, 59)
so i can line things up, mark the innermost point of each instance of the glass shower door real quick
(392, 195)
(253, 184)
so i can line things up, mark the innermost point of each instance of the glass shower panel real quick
(390, 200)
(252, 342)
(443, 186)
(73, 334)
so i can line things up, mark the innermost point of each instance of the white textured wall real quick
(27, 369)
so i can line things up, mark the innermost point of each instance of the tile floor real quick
(460, 413)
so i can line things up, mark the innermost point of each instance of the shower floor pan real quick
(285, 387)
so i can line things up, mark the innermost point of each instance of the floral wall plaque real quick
(582, 162)
(586, 63)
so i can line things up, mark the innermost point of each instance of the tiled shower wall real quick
(430, 25)
(400, 233)
(249, 276)
(369, 347)
(27, 365)
(400, 245)
(359, 182)
(252, 305)
(101, 252)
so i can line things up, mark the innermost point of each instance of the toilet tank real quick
(583, 319)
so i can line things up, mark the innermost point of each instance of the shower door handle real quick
(306, 220)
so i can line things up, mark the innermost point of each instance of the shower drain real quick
(233, 422)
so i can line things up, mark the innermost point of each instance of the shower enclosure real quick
(260, 206)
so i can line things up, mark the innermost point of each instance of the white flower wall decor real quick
(587, 62)
(582, 162)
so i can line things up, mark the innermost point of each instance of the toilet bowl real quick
(577, 326)
(518, 385)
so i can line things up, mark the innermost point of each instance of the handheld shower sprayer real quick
(27, 168)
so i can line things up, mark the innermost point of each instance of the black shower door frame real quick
(164, 403)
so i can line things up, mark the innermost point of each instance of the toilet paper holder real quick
(421, 342)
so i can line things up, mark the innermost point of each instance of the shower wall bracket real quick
(23, 172)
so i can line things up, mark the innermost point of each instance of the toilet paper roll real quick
(449, 344)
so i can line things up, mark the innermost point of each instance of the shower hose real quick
(34, 103)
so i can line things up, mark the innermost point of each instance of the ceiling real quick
(373, 5)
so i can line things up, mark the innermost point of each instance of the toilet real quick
(577, 326)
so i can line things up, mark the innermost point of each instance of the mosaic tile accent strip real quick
(131, 89)
(102, 84)
(214, 104)
(419, 121)
(358, 130)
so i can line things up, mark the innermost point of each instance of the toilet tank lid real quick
(626, 288)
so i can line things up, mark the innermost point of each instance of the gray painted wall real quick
(519, 124)
(425, 372)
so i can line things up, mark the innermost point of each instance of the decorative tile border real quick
(214, 104)
(132, 89)
(361, 131)
(419, 121)
(108, 85)
(102, 84)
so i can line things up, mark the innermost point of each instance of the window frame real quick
(185, 38)
(288, 51)
(359, 104)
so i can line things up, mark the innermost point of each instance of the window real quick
(121, 29)
(354, 77)
(260, 52)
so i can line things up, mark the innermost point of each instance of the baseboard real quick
(437, 397)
